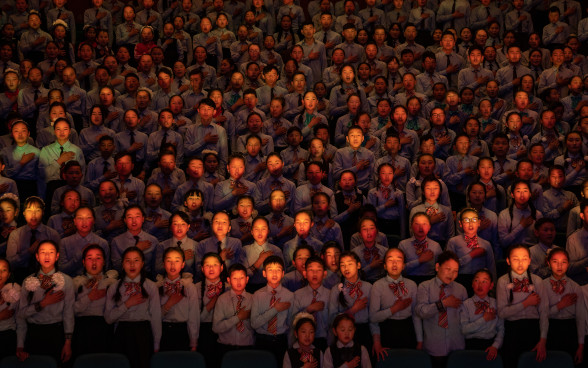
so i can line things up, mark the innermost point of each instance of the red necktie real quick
(93, 282)
(398, 288)
(471, 242)
(272, 325)
(170, 288)
(240, 325)
(521, 285)
(278, 221)
(46, 281)
(443, 322)
(420, 246)
(481, 306)
(132, 288)
(431, 211)
(371, 253)
(214, 290)
(385, 192)
(558, 286)
(354, 289)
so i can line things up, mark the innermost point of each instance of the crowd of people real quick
(323, 183)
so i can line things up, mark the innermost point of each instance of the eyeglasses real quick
(467, 220)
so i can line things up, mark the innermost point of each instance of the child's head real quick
(314, 172)
(537, 153)
(520, 191)
(253, 145)
(4, 271)
(469, 222)
(71, 172)
(330, 253)
(245, 207)
(173, 261)
(355, 137)
(394, 262)
(179, 224)
(302, 223)
(47, 255)
(344, 328)
(304, 328)
(320, 204)
(273, 270)
(236, 166)
(316, 148)
(518, 258)
(431, 189)
(349, 264)
(476, 194)
(544, 230)
(461, 144)
(500, 144)
(447, 267)
(93, 259)
(558, 260)
(482, 283)
(301, 254)
(237, 278)
(33, 211)
(557, 176)
(212, 266)
(70, 201)
(8, 209)
(420, 225)
(485, 168)
(221, 225)
(277, 201)
(134, 216)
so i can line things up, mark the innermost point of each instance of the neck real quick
(213, 281)
(135, 232)
(62, 141)
(273, 285)
(522, 206)
(47, 269)
(83, 234)
(220, 237)
(173, 277)
(353, 279)
(394, 277)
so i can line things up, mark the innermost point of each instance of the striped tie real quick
(241, 324)
(443, 314)
(272, 325)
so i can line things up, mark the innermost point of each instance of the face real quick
(7, 212)
(236, 168)
(447, 272)
(212, 268)
(94, 262)
(273, 273)
(47, 255)
(84, 221)
(278, 201)
(195, 169)
(153, 196)
(179, 227)
(432, 190)
(4, 272)
(426, 165)
(238, 280)
(245, 208)
(124, 166)
(349, 268)
(521, 194)
(107, 192)
(470, 223)
(173, 263)
(519, 260)
(33, 215)
(558, 263)
(11, 81)
(302, 224)
(556, 179)
(260, 231)
(211, 163)
(482, 284)
(394, 263)
(355, 138)
(386, 175)
(193, 202)
(305, 334)
(345, 331)
(301, 256)
(20, 133)
(133, 264)
(134, 219)
(314, 174)
(462, 145)
(485, 170)
(221, 225)
(368, 232)
(514, 123)
(420, 226)
(546, 233)
(320, 206)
